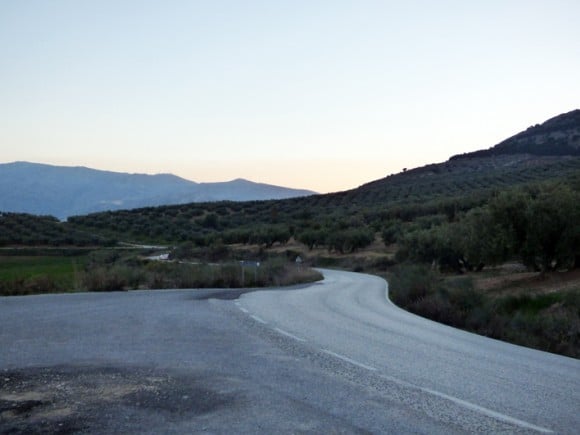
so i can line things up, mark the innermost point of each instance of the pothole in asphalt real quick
(64, 400)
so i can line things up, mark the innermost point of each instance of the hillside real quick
(558, 136)
(438, 190)
(458, 177)
(66, 191)
(20, 229)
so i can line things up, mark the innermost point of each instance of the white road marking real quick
(472, 406)
(468, 405)
(281, 331)
(348, 360)
(460, 402)
(257, 319)
(489, 412)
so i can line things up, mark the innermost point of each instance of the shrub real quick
(392, 230)
(104, 279)
(410, 282)
(549, 322)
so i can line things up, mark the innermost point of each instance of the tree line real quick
(539, 225)
(23, 229)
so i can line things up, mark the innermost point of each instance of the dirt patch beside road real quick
(507, 282)
(62, 400)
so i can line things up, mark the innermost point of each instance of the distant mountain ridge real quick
(66, 191)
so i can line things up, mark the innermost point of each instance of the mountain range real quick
(66, 191)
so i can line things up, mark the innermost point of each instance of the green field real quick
(39, 274)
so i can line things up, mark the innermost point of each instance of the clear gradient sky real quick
(315, 94)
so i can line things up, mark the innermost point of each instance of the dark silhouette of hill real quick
(541, 152)
(459, 177)
(558, 136)
(65, 191)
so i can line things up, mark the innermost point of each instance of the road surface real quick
(333, 357)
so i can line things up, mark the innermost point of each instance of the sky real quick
(316, 94)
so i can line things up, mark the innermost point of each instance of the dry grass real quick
(509, 281)
(529, 309)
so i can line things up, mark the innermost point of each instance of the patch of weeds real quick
(548, 321)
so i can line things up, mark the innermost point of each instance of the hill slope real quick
(66, 191)
(544, 151)
(439, 189)
(558, 136)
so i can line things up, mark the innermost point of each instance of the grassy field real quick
(113, 271)
(39, 274)
(62, 268)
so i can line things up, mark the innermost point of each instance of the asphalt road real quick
(334, 357)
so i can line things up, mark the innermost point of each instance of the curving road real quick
(333, 357)
(351, 317)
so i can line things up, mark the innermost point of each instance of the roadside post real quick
(254, 264)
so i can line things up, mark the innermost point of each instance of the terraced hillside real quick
(463, 177)
(440, 189)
